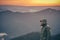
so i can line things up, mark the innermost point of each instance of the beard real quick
(43, 24)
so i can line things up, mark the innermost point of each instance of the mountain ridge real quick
(35, 36)
(48, 10)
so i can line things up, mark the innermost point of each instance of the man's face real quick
(43, 22)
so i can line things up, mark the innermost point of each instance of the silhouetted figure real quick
(45, 30)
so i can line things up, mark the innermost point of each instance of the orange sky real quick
(31, 2)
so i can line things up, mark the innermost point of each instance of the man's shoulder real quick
(48, 27)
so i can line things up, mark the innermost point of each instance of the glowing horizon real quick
(31, 2)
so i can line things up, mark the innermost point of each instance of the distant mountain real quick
(35, 36)
(5, 12)
(44, 11)
(2, 9)
(8, 12)
(48, 10)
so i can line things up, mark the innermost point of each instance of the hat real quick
(43, 20)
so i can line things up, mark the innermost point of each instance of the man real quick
(45, 30)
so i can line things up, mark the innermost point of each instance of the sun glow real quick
(31, 2)
(44, 1)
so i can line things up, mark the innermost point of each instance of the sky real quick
(30, 2)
